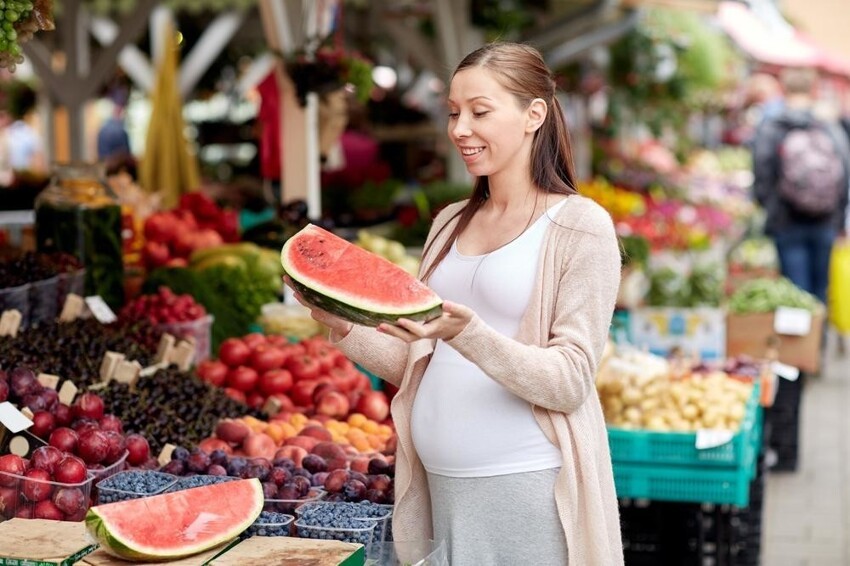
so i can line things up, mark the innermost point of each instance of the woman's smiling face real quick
(487, 124)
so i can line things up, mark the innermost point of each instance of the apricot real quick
(356, 419)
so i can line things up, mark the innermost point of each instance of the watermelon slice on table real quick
(352, 283)
(179, 524)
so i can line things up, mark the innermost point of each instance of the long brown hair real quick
(521, 70)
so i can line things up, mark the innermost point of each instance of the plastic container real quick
(378, 514)
(188, 482)
(271, 524)
(100, 474)
(293, 321)
(421, 553)
(199, 330)
(290, 505)
(154, 484)
(70, 282)
(43, 300)
(363, 533)
(79, 214)
(17, 298)
(30, 498)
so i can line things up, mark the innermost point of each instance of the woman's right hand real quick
(338, 326)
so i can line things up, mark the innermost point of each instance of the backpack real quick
(811, 171)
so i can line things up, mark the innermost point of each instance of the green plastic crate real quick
(654, 448)
(682, 473)
(685, 483)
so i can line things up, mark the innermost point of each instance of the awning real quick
(780, 45)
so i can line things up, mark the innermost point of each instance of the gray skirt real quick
(501, 520)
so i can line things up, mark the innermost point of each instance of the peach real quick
(337, 464)
(328, 450)
(259, 444)
(305, 442)
(315, 431)
(360, 464)
(233, 431)
(295, 453)
(333, 404)
(208, 445)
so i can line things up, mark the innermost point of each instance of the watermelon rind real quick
(353, 309)
(360, 316)
(117, 545)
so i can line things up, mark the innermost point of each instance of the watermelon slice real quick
(352, 283)
(174, 525)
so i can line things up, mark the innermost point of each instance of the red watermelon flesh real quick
(176, 524)
(353, 283)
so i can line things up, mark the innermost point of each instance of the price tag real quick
(10, 322)
(100, 309)
(165, 456)
(792, 322)
(785, 371)
(183, 355)
(712, 438)
(152, 369)
(164, 349)
(67, 392)
(109, 364)
(272, 406)
(48, 380)
(72, 309)
(11, 418)
(127, 372)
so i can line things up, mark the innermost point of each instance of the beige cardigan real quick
(551, 364)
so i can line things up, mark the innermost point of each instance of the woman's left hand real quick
(449, 324)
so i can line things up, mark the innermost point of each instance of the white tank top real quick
(464, 423)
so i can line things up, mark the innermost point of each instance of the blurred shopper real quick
(497, 412)
(802, 173)
(22, 146)
(113, 142)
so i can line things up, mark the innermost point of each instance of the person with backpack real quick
(801, 167)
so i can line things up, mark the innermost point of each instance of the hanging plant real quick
(328, 69)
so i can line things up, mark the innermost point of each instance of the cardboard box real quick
(754, 335)
(102, 558)
(697, 331)
(37, 542)
(291, 551)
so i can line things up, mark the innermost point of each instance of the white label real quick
(792, 322)
(785, 371)
(12, 418)
(712, 438)
(100, 309)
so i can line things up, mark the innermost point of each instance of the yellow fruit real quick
(357, 419)
(370, 427)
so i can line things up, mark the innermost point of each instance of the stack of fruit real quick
(74, 350)
(171, 406)
(83, 444)
(312, 376)
(197, 223)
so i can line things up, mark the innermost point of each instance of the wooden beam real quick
(134, 62)
(211, 43)
(39, 56)
(131, 26)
